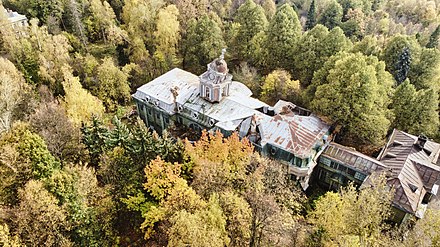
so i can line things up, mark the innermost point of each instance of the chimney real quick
(421, 141)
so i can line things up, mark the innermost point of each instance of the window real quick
(207, 92)
(360, 176)
(325, 161)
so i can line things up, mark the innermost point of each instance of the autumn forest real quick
(79, 168)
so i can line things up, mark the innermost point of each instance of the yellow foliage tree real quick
(78, 102)
(278, 85)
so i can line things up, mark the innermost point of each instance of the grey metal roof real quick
(415, 170)
(350, 157)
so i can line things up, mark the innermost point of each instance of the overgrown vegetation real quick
(71, 173)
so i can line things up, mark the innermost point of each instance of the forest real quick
(79, 168)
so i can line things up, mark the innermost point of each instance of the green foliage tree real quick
(111, 85)
(353, 90)
(103, 20)
(203, 228)
(311, 16)
(403, 65)
(313, 50)
(93, 137)
(41, 9)
(433, 39)
(89, 207)
(251, 20)
(283, 34)
(202, 44)
(425, 73)
(332, 15)
(393, 52)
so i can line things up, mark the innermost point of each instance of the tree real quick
(345, 220)
(167, 36)
(279, 85)
(238, 217)
(251, 20)
(425, 71)
(89, 207)
(111, 84)
(311, 16)
(403, 106)
(283, 33)
(12, 88)
(332, 15)
(275, 204)
(425, 232)
(203, 42)
(203, 228)
(23, 156)
(433, 39)
(191, 9)
(249, 76)
(80, 105)
(38, 219)
(219, 162)
(63, 139)
(393, 52)
(6, 239)
(103, 21)
(354, 91)
(403, 65)
(313, 50)
(41, 9)
(426, 105)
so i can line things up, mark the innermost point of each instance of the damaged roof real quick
(351, 157)
(415, 168)
(293, 133)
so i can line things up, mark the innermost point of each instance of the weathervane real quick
(222, 56)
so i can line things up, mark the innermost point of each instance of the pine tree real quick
(331, 17)
(252, 20)
(311, 16)
(433, 39)
(283, 33)
(203, 43)
(402, 65)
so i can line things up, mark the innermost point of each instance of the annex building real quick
(411, 165)
(213, 101)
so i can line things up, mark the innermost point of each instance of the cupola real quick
(215, 81)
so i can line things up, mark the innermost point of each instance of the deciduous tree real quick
(354, 91)
(78, 102)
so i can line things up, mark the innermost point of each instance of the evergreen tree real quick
(252, 21)
(331, 16)
(203, 43)
(403, 106)
(402, 66)
(93, 137)
(283, 33)
(311, 16)
(433, 39)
